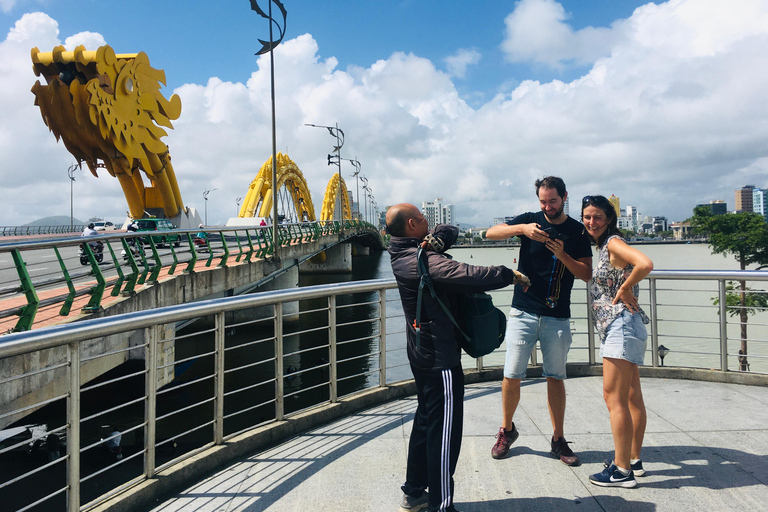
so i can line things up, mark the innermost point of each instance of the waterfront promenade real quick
(706, 448)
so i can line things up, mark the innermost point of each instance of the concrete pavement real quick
(706, 448)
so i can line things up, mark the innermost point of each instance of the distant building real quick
(717, 207)
(760, 202)
(616, 204)
(660, 224)
(681, 230)
(438, 213)
(502, 220)
(745, 198)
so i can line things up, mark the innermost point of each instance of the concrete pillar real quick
(338, 259)
(360, 250)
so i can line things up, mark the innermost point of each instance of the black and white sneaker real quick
(612, 477)
(637, 467)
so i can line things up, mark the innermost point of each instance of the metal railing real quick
(48, 273)
(40, 230)
(194, 376)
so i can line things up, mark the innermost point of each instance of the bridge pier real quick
(360, 250)
(338, 259)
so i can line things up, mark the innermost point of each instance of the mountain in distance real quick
(55, 220)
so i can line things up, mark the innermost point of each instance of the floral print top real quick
(605, 284)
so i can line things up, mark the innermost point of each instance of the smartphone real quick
(553, 233)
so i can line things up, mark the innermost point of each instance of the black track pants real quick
(436, 436)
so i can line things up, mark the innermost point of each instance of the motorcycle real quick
(136, 248)
(201, 243)
(97, 248)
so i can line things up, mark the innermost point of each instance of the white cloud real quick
(672, 114)
(7, 5)
(458, 63)
(537, 31)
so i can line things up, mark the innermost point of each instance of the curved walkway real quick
(706, 448)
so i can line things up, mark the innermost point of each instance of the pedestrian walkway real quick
(706, 448)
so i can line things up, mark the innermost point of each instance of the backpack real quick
(482, 324)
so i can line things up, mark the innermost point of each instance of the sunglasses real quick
(595, 200)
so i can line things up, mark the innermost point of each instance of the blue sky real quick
(661, 104)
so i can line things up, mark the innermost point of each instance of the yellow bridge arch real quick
(330, 200)
(258, 199)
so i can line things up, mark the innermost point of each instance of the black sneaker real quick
(561, 450)
(637, 467)
(411, 504)
(612, 477)
(503, 442)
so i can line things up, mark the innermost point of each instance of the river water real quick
(688, 319)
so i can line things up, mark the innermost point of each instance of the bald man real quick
(434, 351)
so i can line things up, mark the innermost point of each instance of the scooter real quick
(98, 252)
(201, 243)
(136, 248)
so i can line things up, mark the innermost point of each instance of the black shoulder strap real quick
(426, 279)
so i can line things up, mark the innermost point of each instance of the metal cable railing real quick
(91, 408)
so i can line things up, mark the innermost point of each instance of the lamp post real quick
(335, 131)
(357, 165)
(238, 204)
(663, 351)
(370, 203)
(71, 173)
(365, 195)
(268, 47)
(205, 196)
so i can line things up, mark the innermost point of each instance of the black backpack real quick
(481, 323)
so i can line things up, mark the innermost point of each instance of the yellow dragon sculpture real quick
(108, 107)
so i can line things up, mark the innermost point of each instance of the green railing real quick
(42, 273)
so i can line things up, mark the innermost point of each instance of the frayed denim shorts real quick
(626, 339)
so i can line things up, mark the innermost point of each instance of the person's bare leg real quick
(637, 411)
(556, 402)
(617, 376)
(510, 398)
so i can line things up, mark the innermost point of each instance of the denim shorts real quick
(626, 339)
(524, 330)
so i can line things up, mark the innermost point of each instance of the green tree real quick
(628, 233)
(745, 236)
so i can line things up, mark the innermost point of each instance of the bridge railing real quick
(198, 375)
(40, 230)
(53, 274)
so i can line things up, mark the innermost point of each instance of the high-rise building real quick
(616, 204)
(744, 198)
(438, 213)
(760, 202)
(717, 207)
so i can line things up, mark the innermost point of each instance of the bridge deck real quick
(706, 448)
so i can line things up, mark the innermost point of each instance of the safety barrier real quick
(197, 375)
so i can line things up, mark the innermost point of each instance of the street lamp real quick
(357, 165)
(663, 351)
(335, 131)
(71, 173)
(205, 196)
(238, 204)
(365, 195)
